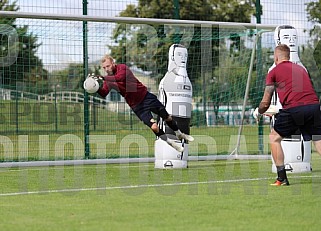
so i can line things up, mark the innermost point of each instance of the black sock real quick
(281, 172)
(161, 134)
(173, 125)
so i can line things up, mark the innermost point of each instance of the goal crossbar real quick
(130, 20)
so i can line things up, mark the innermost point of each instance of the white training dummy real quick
(175, 92)
(297, 152)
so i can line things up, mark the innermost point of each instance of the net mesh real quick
(43, 102)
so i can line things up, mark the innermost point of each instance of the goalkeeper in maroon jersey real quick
(140, 100)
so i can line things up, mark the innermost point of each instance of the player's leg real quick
(312, 126)
(173, 125)
(158, 108)
(143, 113)
(278, 157)
(161, 134)
(317, 145)
(284, 126)
(276, 148)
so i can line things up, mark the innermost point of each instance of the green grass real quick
(209, 195)
(140, 143)
(25, 122)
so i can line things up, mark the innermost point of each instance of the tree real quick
(27, 69)
(233, 11)
(147, 46)
(71, 77)
(311, 52)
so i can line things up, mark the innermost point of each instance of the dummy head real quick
(177, 57)
(286, 34)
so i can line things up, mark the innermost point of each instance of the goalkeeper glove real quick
(98, 78)
(257, 115)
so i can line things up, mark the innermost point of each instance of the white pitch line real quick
(130, 187)
(143, 186)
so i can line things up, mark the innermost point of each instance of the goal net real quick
(49, 117)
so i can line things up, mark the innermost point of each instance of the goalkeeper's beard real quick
(110, 72)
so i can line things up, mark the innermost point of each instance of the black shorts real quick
(306, 118)
(147, 106)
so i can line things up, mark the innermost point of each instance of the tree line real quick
(219, 77)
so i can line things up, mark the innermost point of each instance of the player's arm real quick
(104, 90)
(266, 100)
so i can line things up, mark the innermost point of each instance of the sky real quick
(278, 12)
(62, 41)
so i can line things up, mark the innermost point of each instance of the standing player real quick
(300, 107)
(286, 34)
(141, 101)
(297, 152)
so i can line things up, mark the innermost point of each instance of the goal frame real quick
(130, 20)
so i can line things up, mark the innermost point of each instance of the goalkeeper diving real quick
(143, 103)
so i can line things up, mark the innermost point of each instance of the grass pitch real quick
(209, 195)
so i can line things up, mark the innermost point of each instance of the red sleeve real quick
(104, 90)
(270, 78)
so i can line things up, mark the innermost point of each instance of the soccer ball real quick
(91, 85)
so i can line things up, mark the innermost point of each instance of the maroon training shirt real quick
(126, 84)
(293, 85)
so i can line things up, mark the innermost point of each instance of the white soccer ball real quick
(91, 85)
